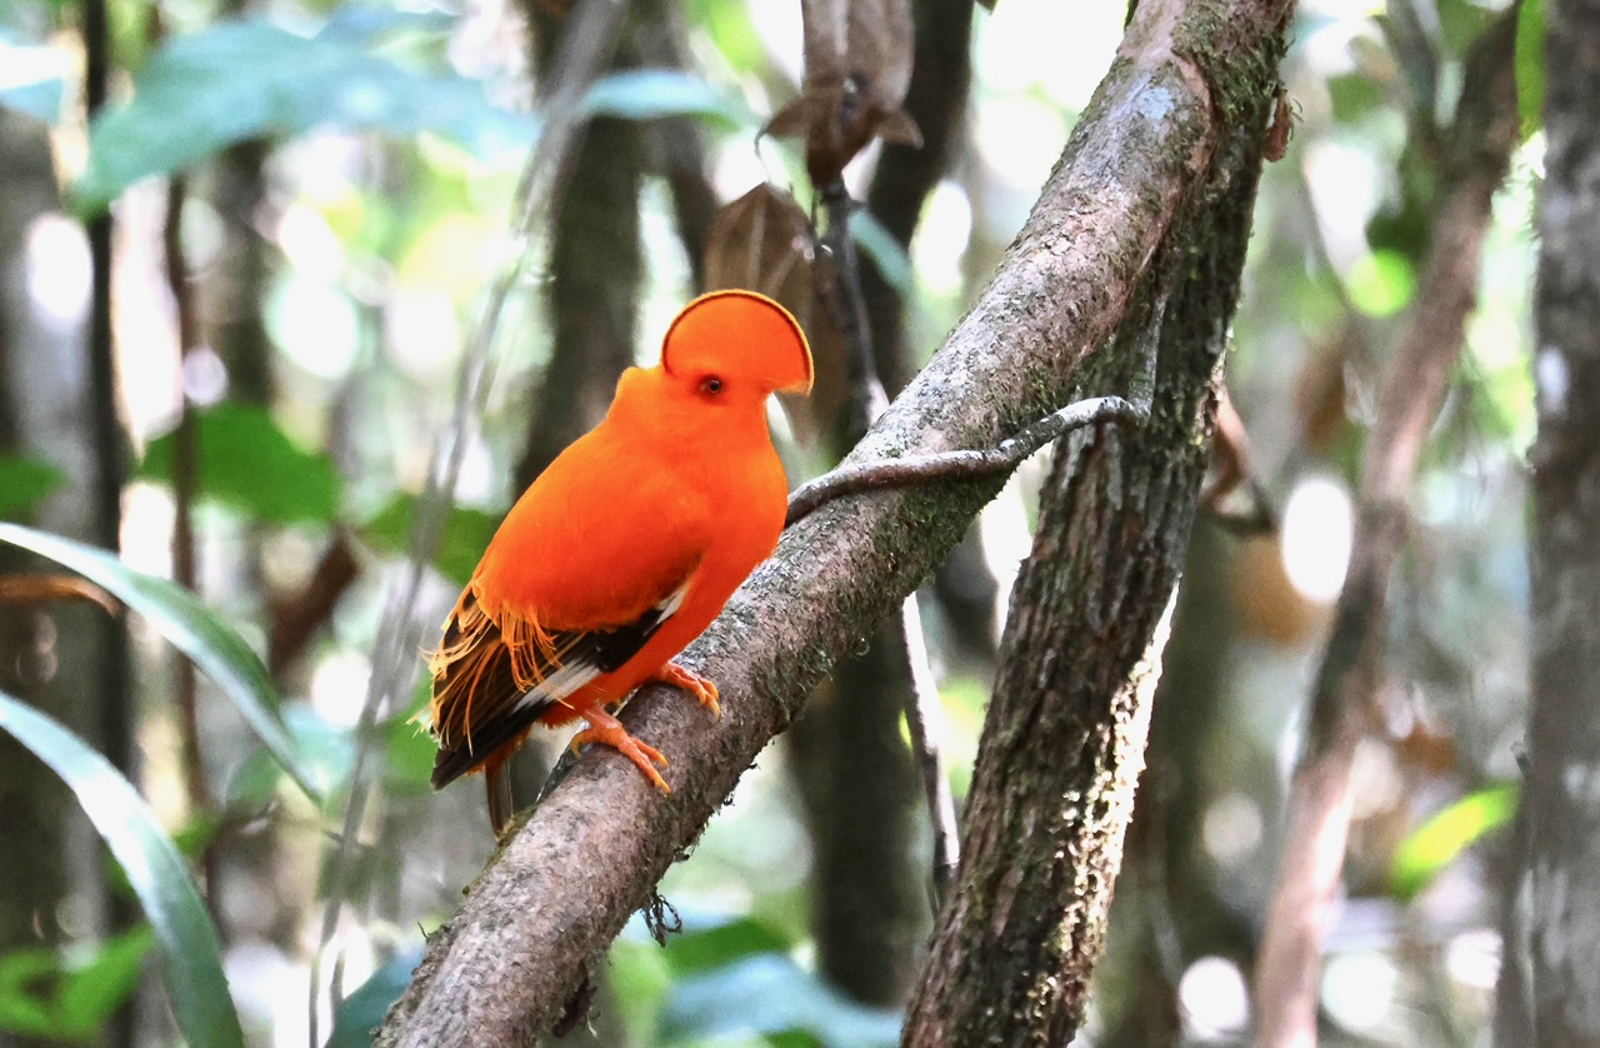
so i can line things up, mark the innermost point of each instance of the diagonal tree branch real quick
(559, 891)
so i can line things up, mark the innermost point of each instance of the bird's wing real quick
(595, 557)
(492, 680)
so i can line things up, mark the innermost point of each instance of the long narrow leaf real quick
(1424, 854)
(188, 942)
(192, 627)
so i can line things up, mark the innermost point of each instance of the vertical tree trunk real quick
(1561, 801)
(1064, 737)
(56, 656)
(936, 99)
(860, 789)
(35, 812)
(596, 264)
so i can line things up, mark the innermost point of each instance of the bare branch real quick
(926, 722)
(958, 465)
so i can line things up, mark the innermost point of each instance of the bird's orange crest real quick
(768, 346)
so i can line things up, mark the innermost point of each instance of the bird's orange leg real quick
(702, 687)
(603, 727)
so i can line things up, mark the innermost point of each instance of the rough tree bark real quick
(1560, 866)
(1063, 741)
(1477, 151)
(504, 968)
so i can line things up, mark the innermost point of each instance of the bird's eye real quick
(711, 385)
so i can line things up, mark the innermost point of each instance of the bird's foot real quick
(702, 687)
(606, 729)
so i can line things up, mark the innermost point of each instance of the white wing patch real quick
(560, 684)
(564, 682)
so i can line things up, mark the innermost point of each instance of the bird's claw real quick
(643, 755)
(703, 688)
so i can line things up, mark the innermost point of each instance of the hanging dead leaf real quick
(1281, 128)
(763, 241)
(1320, 392)
(1268, 605)
(858, 56)
(1232, 471)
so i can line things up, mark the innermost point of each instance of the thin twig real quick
(1233, 469)
(114, 705)
(914, 470)
(587, 41)
(867, 400)
(296, 618)
(185, 478)
(927, 727)
(43, 589)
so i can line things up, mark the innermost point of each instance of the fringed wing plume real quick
(493, 681)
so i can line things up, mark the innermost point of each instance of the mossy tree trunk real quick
(1064, 737)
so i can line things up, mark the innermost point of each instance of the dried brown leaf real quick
(1320, 394)
(1282, 126)
(764, 242)
(858, 56)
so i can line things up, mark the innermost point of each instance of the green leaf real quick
(195, 983)
(363, 1011)
(239, 80)
(191, 627)
(40, 99)
(1381, 283)
(25, 976)
(878, 244)
(645, 94)
(466, 535)
(326, 750)
(1436, 843)
(769, 994)
(245, 461)
(701, 949)
(1355, 96)
(410, 753)
(91, 993)
(25, 482)
(369, 25)
(1530, 65)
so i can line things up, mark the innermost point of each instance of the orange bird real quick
(624, 549)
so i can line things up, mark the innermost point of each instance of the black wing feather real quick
(605, 650)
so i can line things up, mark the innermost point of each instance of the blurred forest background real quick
(311, 245)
